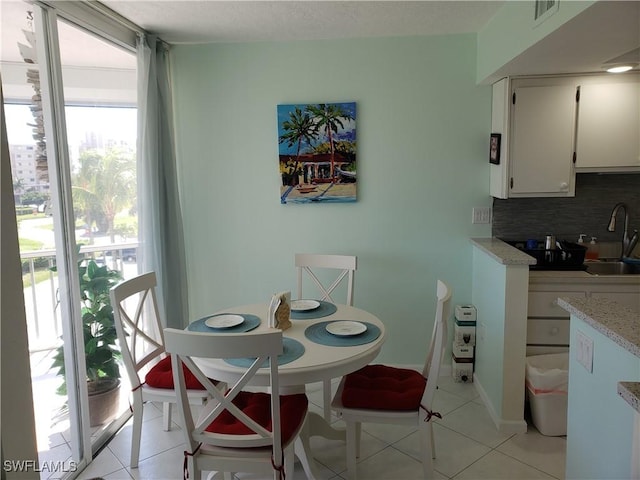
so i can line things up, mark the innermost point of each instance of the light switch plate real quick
(584, 351)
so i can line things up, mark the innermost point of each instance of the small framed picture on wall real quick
(494, 149)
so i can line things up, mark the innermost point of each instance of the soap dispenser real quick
(593, 251)
(581, 238)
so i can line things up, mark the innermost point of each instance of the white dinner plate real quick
(345, 328)
(304, 305)
(226, 320)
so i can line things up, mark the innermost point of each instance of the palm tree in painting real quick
(299, 128)
(329, 117)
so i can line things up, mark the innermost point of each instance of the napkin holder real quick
(279, 310)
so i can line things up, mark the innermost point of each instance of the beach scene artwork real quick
(317, 152)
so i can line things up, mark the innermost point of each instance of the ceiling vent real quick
(544, 9)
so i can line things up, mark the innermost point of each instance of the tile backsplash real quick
(588, 212)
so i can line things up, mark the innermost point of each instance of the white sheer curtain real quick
(159, 215)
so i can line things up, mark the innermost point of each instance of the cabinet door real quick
(499, 173)
(542, 141)
(545, 304)
(548, 332)
(608, 126)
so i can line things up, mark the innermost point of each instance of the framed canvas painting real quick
(317, 152)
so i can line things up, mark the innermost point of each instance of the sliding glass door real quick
(70, 104)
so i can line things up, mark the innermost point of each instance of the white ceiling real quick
(604, 31)
(607, 32)
(249, 21)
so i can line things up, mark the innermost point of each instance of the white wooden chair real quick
(141, 340)
(237, 431)
(384, 394)
(345, 267)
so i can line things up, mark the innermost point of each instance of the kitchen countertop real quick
(615, 321)
(630, 391)
(506, 254)
(580, 276)
(503, 252)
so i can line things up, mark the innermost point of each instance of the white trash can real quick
(547, 381)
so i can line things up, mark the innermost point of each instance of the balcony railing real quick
(41, 296)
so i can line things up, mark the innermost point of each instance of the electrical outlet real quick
(584, 351)
(481, 215)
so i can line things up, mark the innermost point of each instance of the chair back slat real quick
(137, 322)
(433, 362)
(262, 347)
(228, 345)
(345, 265)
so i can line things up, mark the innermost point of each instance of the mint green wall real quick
(599, 421)
(512, 30)
(423, 127)
(488, 296)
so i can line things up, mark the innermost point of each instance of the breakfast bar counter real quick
(502, 252)
(603, 418)
(619, 323)
(500, 284)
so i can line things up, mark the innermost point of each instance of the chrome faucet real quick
(628, 243)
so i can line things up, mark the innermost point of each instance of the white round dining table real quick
(318, 362)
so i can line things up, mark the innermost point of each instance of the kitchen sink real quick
(612, 268)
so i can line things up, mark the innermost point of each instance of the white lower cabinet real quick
(548, 324)
(543, 304)
(548, 332)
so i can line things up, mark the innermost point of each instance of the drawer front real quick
(545, 350)
(544, 304)
(547, 332)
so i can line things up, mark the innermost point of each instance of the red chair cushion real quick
(257, 405)
(161, 376)
(380, 387)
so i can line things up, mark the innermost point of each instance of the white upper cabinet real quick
(608, 134)
(554, 126)
(541, 143)
(499, 172)
(536, 118)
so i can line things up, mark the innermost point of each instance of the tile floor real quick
(468, 447)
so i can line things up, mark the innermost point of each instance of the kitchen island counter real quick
(619, 323)
(603, 433)
(630, 391)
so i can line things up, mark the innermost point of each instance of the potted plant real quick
(102, 354)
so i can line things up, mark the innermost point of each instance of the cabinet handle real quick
(554, 331)
(564, 186)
